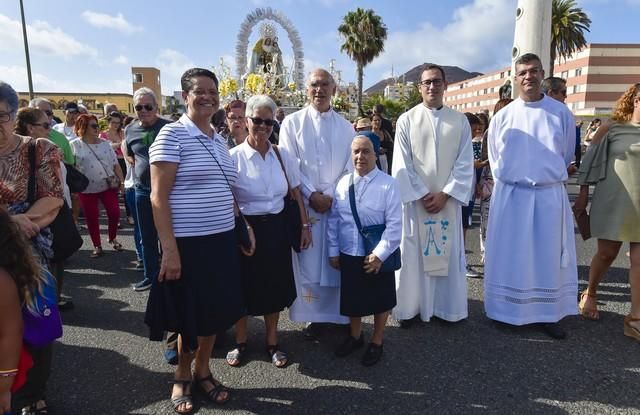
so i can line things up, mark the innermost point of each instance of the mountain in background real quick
(453, 74)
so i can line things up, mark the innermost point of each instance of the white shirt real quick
(67, 131)
(201, 200)
(377, 202)
(96, 161)
(261, 184)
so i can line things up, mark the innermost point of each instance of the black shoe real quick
(65, 304)
(372, 355)
(311, 331)
(405, 324)
(553, 330)
(350, 345)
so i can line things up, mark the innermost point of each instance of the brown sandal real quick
(630, 330)
(588, 313)
(117, 246)
(97, 252)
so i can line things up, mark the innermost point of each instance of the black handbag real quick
(372, 234)
(66, 238)
(291, 211)
(241, 226)
(76, 181)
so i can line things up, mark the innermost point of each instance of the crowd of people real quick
(242, 211)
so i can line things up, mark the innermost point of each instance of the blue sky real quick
(89, 46)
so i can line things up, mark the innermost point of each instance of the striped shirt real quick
(201, 201)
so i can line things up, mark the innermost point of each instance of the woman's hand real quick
(252, 238)
(305, 238)
(170, 267)
(334, 261)
(372, 264)
(26, 224)
(582, 200)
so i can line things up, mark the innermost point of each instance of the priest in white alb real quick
(433, 165)
(320, 139)
(530, 261)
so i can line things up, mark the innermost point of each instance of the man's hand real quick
(434, 203)
(334, 261)
(26, 224)
(571, 169)
(372, 264)
(319, 202)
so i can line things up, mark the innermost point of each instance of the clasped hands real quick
(434, 202)
(320, 202)
(25, 222)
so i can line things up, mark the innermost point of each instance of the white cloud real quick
(43, 38)
(172, 65)
(103, 20)
(121, 60)
(16, 76)
(478, 38)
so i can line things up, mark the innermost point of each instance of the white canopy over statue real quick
(266, 56)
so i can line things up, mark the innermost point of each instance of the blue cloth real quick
(148, 234)
(130, 201)
(375, 140)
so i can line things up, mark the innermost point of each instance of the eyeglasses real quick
(71, 111)
(236, 119)
(260, 121)
(49, 113)
(428, 82)
(147, 107)
(5, 116)
(44, 125)
(94, 126)
(532, 71)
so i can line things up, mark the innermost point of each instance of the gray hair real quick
(552, 84)
(308, 81)
(9, 95)
(144, 91)
(260, 101)
(35, 103)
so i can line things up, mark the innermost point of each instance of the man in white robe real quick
(433, 164)
(530, 262)
(320, 139)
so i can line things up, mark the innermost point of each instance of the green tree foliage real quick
(568, 24)
(364, 34)
(392, 109)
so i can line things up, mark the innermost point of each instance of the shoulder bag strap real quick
(275, 149)
(352, 203)
(97, 158)
(31, 187)
(221, 170)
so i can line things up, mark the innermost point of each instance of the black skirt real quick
(207, 299)
(363, 294)
(267, 279)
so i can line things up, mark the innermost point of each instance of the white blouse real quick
(261, 184)
(377, 202)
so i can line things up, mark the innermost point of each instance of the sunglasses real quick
(94, 126)
(45, 125)
(147, 107)
(260, 121)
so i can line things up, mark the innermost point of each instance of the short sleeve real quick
(48, 173)
(166, 146)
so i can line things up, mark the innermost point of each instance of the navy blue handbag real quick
(372, 234)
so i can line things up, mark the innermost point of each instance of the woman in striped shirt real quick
(199, 291)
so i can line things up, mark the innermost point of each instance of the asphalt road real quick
(104, 364)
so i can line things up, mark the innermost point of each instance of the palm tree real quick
(568, 24)
(364, 34)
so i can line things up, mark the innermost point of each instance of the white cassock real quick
(530, 261)
(432, 153)
(321, 142)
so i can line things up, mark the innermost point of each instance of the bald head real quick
(320, 88)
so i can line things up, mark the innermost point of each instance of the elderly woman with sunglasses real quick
(264, 176)
(96, 159)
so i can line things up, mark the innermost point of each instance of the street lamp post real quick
(26, 50)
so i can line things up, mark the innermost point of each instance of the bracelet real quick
(307, 225)
(249, 228)
(8, 375)
(9, 371)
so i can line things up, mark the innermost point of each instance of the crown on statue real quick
(267, 30)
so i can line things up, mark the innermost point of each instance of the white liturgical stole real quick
(435, 141)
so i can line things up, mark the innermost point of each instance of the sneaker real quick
(171, 356)
(471, 273)
(143, 285)
(350, 345)
(553, 330)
